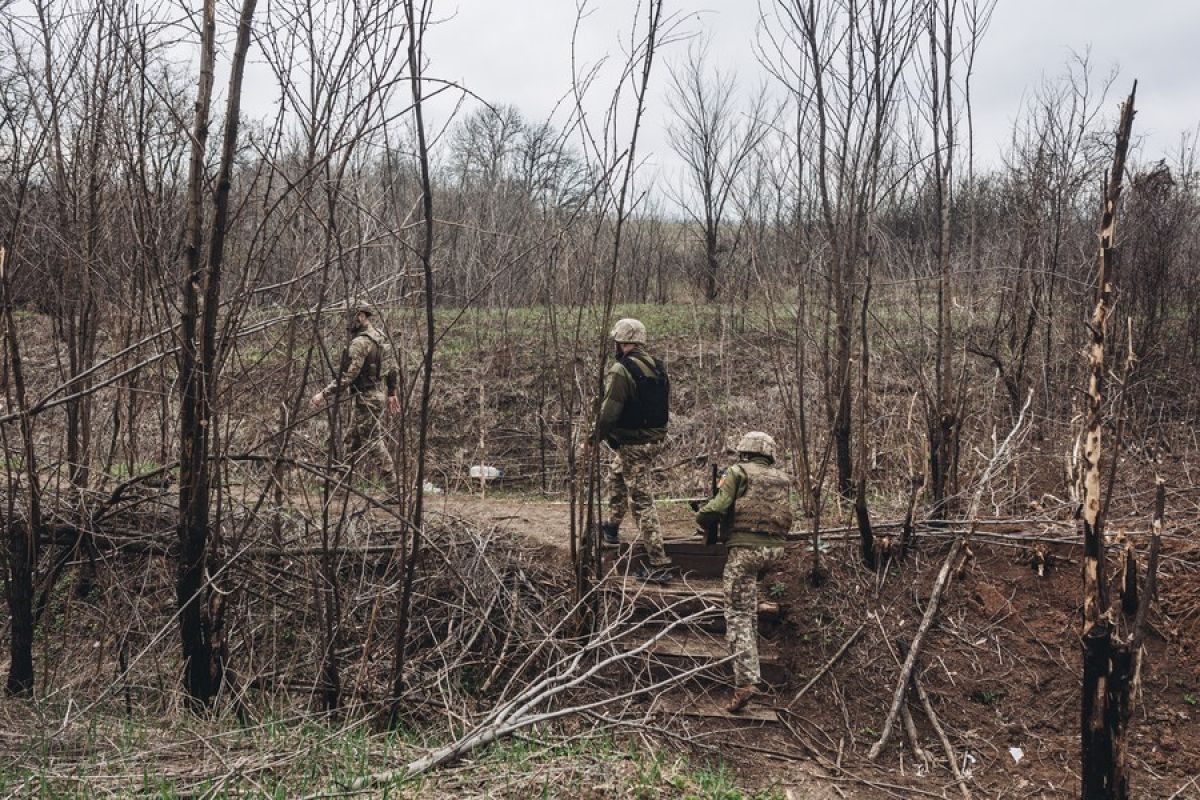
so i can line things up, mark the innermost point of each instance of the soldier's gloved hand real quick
(318, 399)
(393, 404)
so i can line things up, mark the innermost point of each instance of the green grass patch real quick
(122, 471)
(283, 757)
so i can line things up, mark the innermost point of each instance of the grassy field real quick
(277, 757)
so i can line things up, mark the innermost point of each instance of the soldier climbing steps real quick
(698, 596)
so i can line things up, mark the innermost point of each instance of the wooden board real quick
(711, 708)
(687, 594)
(700, 646)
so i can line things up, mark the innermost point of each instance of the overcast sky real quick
(518, 52)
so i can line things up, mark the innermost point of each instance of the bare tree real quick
(714, 139)
(845, 65)
(200, 618)
(418, 20)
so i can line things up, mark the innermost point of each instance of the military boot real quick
(609, 531)
(651, 574)
(741, 697)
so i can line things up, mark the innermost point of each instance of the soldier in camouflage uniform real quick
(366, 362)
(633, 420)
(753, 510)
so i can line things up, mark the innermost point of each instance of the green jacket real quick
(733, 485)
(355, 358)
(618, 389)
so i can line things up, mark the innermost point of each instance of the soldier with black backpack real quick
(633, 421)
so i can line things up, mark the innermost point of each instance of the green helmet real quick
(629, 331)
(757, 443)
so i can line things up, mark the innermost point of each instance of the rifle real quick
(718, 531)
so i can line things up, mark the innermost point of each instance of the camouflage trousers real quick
(629, 484)
(741, 608)
(365, 443)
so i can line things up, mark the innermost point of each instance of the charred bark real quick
(908, 537)
(1095, 734)
(200, 622)
(1106, 663)
(861, 513)
(24, 536)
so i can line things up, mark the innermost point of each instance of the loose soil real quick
(1001, 665)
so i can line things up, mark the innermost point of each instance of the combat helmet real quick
(356, 305)
(757, 443)
(629, 331)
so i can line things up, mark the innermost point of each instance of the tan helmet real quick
(757, 443)
(355, 306)
(629, 331)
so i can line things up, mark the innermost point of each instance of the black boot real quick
(651, 574)
(609, 531)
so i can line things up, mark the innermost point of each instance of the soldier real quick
(365, 361)
(633, 420)
(753, 510)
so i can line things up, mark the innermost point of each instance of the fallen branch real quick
(937, 727)
(914, 739)
(828, 665)
(906, 671)
(932, 716)
(519, 712)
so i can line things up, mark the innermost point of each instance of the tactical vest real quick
(765, 508)
(367, 378)
(648, 408)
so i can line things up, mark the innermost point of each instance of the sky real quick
(518, 52)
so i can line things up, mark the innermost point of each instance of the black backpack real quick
(649, 406)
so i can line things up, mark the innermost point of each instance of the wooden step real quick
(684, 704)
(689, 556)
(684, 595)
(684, 648)
(702, 646)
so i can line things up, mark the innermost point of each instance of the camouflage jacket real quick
(356, 358)
(619, 387)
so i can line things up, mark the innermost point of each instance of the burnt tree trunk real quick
(908, 536)
(1095, 734)
(193, 487)
(1106, 665)
(1118, 712)
(842, 354)
(198, 362)
(861, 513)
(416, 30)
(24, 536)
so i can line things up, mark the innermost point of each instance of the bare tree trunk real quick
(942, 422)
(416, 30)
(1105, 664)
(590, 550)
(842, 354)
(198, 364)
(24, 536)
(863, 515)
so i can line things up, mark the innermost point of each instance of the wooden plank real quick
(699, 646)
(706, 707)
(689, 593)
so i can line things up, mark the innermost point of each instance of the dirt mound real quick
(1001, 665)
